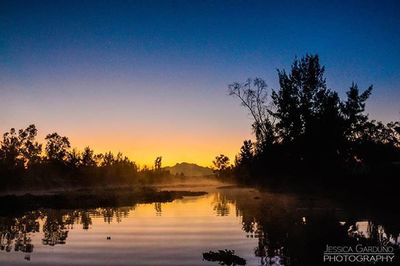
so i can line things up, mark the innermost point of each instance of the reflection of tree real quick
(23, 243)
(221, 205)
(249, 225)
(157, 207)
(86, 220)
(295, 232)
(54, 229)
(110, 213)
(16, 231)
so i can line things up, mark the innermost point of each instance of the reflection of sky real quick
(150, 79)
(176, 237)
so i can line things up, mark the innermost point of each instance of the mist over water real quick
(255, 225)
(173, 233)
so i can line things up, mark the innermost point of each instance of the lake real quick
(262, 228)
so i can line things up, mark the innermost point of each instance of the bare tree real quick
(253, 95)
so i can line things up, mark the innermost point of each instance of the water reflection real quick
(269, 229)
(295, 231)
(157, 207)
(221, 204)
(15, 232)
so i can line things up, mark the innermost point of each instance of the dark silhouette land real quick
(307, 137)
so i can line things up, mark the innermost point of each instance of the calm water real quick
(253, 224)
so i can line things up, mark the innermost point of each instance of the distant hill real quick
(189, 169)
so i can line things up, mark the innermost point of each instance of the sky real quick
(149, 78)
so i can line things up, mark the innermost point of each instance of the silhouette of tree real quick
(108, 159)
(31, 150)
(300, 98)
(246, 154)
(21, 158)
(244, 161)
(57, 147)
(74, 158)
(353, 110)
(88, 157)
(306, 125)
(308, 113)
(253, 95)
(221, 162)
(221, 166)
(157, 163)
(11, 150)
(19, 150)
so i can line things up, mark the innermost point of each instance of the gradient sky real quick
(149, 78)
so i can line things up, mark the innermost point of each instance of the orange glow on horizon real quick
(199, 148)
(144, 152)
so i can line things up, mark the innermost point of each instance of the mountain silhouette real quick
(189, 169)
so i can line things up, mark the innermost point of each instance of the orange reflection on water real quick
(173, 233)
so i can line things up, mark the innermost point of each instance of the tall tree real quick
(305, 124)
(57, 147)
(287, 103)
(88, 157)
(246, 154)
(31, 150)
(10, 152)
(74, 158)
(301, 99)
(353, 110)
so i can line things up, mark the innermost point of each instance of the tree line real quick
(24, 162)
(305, 132)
